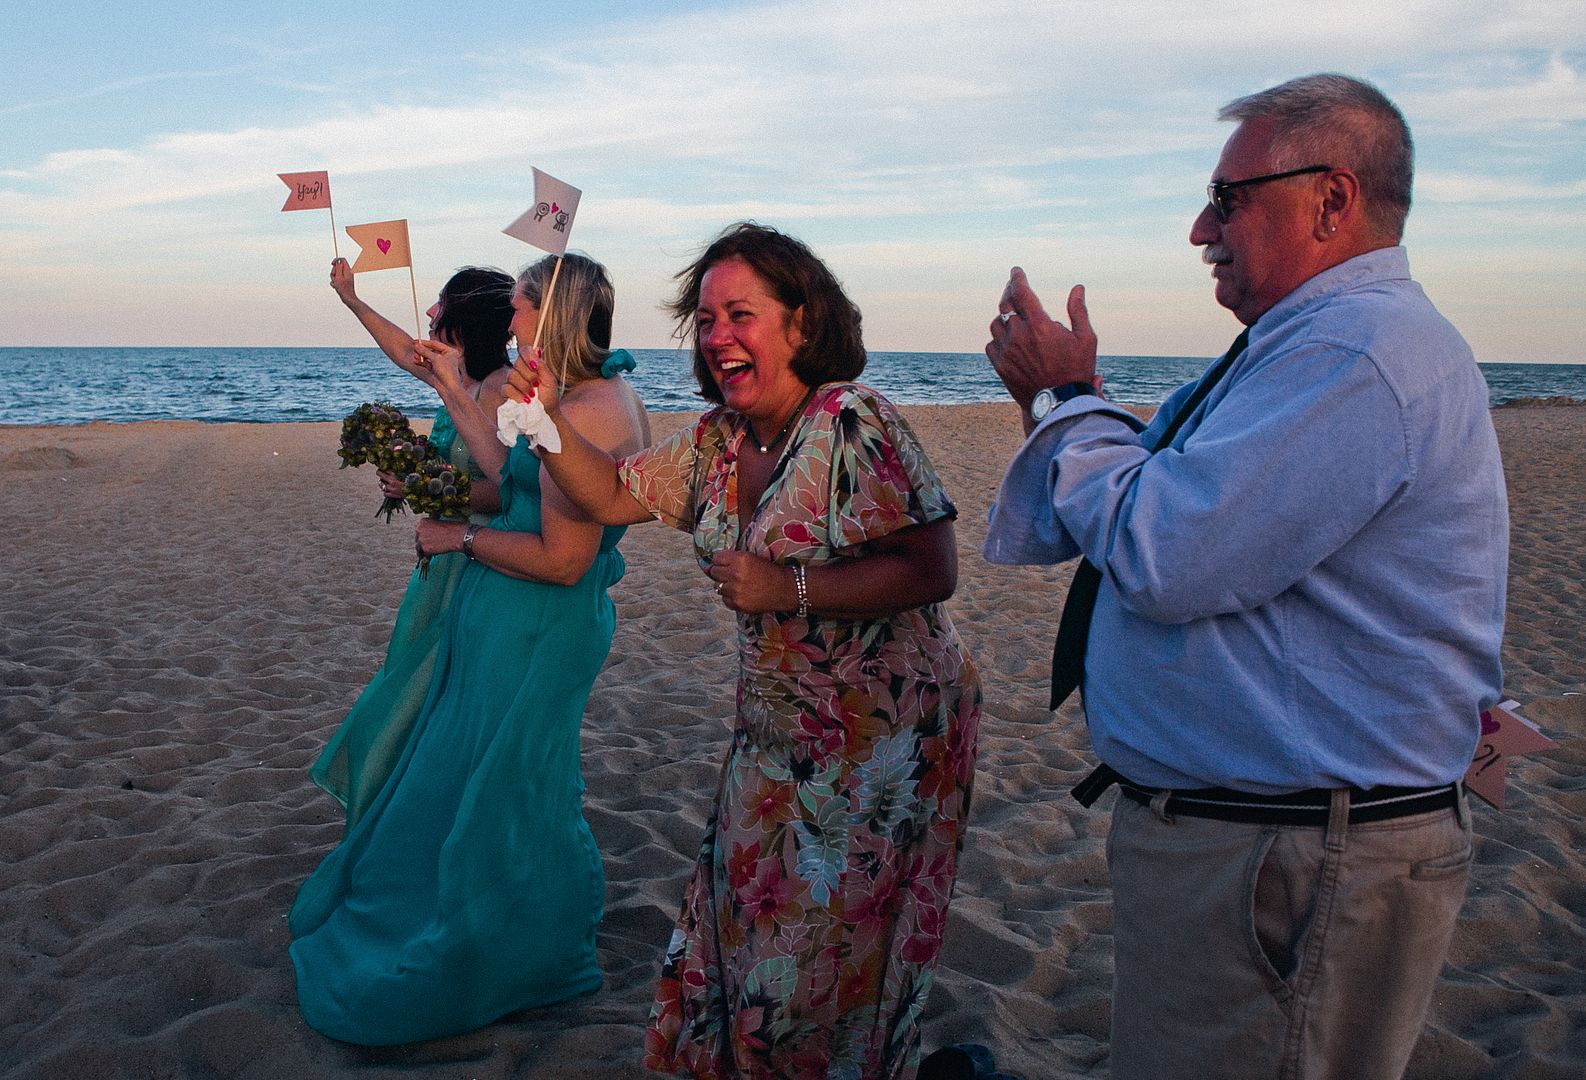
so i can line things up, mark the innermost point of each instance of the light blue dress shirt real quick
(1306, 588)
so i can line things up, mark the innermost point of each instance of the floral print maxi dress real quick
(813, 921)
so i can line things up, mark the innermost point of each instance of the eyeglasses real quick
(1217, 191)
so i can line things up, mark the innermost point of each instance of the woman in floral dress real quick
(813, 922)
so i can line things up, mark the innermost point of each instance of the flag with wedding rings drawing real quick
(547, 223)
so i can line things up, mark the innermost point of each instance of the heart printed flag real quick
(547, 223)
(1504, 734)
(309, 190)
(382, 244)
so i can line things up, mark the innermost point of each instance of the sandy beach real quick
(189, 610)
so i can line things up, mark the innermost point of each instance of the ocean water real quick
(78, 385)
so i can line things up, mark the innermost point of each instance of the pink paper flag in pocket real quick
(1504, 734)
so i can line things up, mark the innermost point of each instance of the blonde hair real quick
(575, 329)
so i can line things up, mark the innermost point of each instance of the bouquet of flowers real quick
(376, 433)
(432, 485)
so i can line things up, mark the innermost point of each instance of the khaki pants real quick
(1249, 952)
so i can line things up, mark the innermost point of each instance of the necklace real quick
(765, 447)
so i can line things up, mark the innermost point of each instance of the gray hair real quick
(1344, 122)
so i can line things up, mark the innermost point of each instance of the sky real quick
(921, 148)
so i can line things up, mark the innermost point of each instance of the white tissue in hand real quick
(529, 419)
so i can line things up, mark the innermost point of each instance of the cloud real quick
(1467, 188)
(913, 136)
(1505, 99)
(120, 86)
(824, 93)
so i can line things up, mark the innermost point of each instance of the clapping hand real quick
(1030, 350)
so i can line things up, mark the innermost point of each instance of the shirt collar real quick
(1380, 264)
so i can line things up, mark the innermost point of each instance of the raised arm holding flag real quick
(547, 225)
(384, 246)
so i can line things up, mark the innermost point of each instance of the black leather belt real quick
(1306, 808)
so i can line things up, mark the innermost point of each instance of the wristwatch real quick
(1053, 396)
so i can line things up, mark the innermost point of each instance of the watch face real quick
(1044, 402)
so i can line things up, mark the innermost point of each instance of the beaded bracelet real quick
(802, 588)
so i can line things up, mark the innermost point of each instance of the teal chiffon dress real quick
(361, 754)
(472, 887)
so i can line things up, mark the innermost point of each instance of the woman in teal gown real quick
(472, 887)
(473, 312)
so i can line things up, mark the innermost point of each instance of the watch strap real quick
(1070, 391)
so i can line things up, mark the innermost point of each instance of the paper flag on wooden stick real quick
(1504, 734)
(310, 190)
(383, 244)
(547, 223)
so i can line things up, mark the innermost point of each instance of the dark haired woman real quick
(472, 886)
(474, 313)
(813, 922)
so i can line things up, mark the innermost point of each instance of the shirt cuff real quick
(1023, 530)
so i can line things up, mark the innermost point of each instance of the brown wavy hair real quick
(833, 349)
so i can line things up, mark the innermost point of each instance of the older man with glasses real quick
(1287, 620)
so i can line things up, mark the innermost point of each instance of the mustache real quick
(1212, 254)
